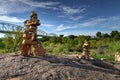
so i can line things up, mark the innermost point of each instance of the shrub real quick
(113, 47)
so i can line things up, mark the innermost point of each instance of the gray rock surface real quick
(15, 67)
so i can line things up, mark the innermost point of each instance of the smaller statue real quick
(117, 57)
(85, 53)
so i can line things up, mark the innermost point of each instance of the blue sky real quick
(67, 17)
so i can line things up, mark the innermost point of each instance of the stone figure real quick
(30, 44)
(117, 57)
(85, 53)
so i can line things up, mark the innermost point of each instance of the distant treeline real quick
(62, 44)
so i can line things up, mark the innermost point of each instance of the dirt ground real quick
(15, 67)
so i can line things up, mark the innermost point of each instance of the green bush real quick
(108, 56)
(113, 47)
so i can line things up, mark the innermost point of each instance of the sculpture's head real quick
(33, 16)
(33, 13)
(86, 44)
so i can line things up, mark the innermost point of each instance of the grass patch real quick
(99, 56)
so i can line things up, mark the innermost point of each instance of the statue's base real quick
(37, 50)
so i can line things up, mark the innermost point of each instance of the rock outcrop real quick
(15, 67)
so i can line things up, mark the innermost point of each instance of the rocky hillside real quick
(15, 67)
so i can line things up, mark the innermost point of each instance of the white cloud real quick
(11, 19)
(13, 6)
(75, 18)
(87, 27)
(106, 23)
(1, 35)
(20, 6)
(99, 21)
(57, 28)
(61, 16)
(71, 12)
(62, 27)
(93, 21)
(46, 5)
(78, 32)
(47, 25)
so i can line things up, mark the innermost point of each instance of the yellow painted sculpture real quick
(30, 44)
(85, 53)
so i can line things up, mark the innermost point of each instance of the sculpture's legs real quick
(38, 50)
(25, 50)
(85, 55)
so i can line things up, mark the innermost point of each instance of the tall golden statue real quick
(30, 44)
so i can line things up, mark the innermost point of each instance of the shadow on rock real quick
(94, 65)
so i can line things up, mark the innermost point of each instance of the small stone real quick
(103, 59)
(14, 79)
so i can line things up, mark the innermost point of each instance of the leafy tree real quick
(106, 35)
(44, 38)
(92, 43)
(115, 35)
(54, 39)
(99, 35)
(11, 40)
(64, 40)
(2, 45)
(71, 36)
(17, 38)
(8, 42)
(61, 36)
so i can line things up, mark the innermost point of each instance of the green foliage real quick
(109, 56)
(44, 38)
(115, 35)
(56, 49)
(61, 36)
(114, 47)
(99, 56)
(10, 41)
(59, 45)
(98, 34)
(64, 45)
(106, 35)
(92, 43)
(54, 40)
(2, 45)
